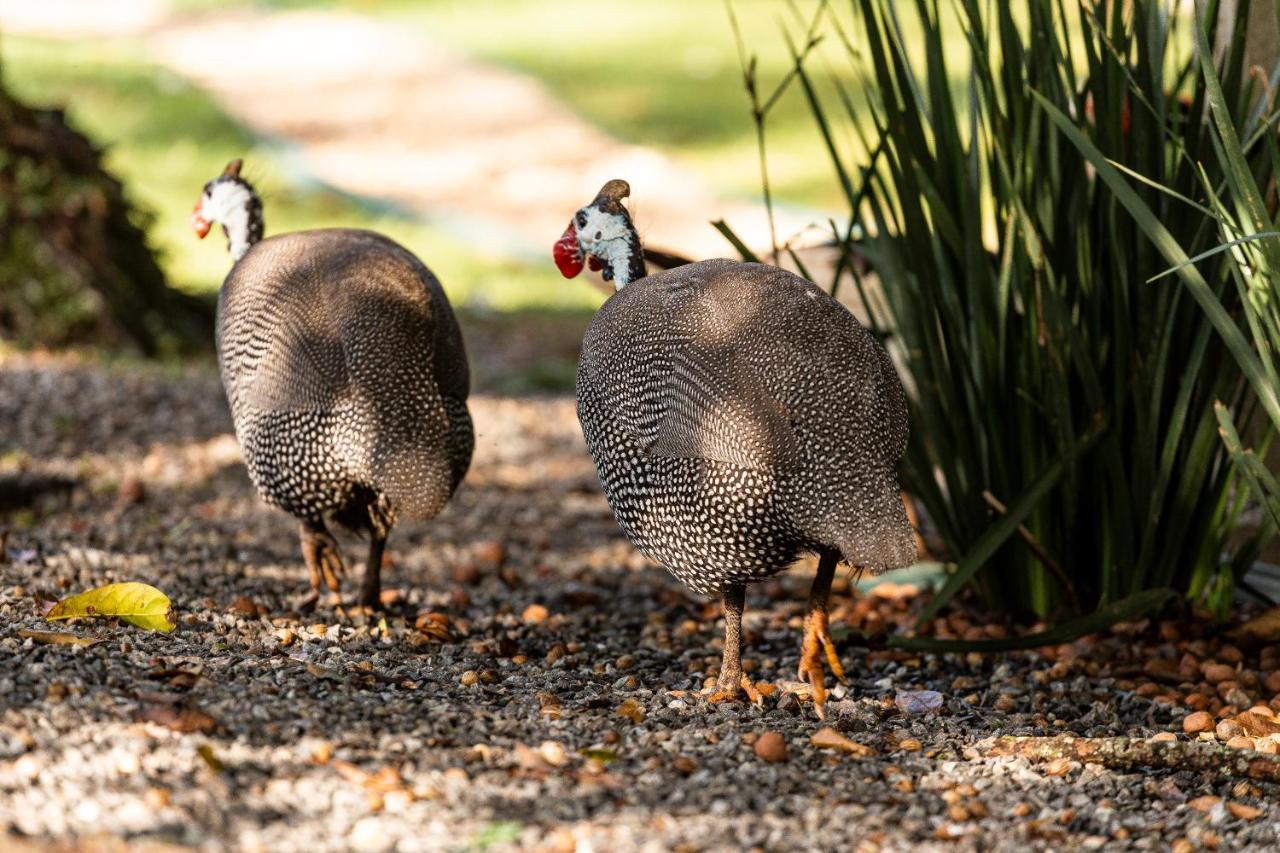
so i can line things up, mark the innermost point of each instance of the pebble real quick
(771, 747)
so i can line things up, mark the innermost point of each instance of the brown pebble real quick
(685, 765)
(466, 574)
(1227, 729)
(1272, 681)
(1020, 810)
(631, 710)
(1204, 804)
(1182, 845)
(771, 747)
(1243, 811)
(1006, 703)
(1198, 721)
(244, 606)
(534, 614)
(910, 745)
(1164, 737)
(1240, 742)
(1215, 673)
(491, 552)
(958, 813)
(470, 678)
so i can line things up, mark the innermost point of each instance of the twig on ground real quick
(1125, 753)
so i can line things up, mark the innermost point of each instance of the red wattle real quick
(199, 224)
(567, 253)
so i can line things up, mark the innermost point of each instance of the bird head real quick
(230, 201)
(221, 197)
(598, 233)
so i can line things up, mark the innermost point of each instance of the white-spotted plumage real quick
(346, 375)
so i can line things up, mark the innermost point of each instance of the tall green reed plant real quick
(1064, 440)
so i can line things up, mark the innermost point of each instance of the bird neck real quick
(243, 225)
(626, 258)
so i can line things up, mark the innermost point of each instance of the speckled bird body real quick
(347, 377)
(739, 416)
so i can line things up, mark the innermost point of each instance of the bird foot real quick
(731, 690)
(323, 558)
(817, 645)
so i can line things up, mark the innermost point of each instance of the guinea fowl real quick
(346, 374)
(738, 416)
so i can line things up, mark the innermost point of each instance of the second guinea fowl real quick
(346, 375)
(738, 417)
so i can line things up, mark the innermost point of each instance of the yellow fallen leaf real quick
(136, 603)
(58, 638)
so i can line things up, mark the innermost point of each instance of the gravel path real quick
(529, 688)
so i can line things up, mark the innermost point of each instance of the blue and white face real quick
(602, 235)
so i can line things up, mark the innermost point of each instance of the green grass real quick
(164, 138)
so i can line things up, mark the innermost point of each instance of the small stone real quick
(491, 552)
(771, 747)
(1204, 804)
(1199, 721)
(470, 678)
(556, 652)
(1240, 742)
(685, 765)
(244, 606)
(1215, 673)
(1243, 810)
(1227, 729)
(465, 574)
(286, 636)
(131, 491)
(959, 814)
(1006, 703)
(1164, 737)
(1020, 810)
(625, 662)
(1182, 845)
(534, 614)
(552, 753)
(909, 745)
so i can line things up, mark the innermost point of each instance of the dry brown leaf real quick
(1256, 724)
(829, 738)
(58, 638)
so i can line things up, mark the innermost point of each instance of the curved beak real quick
(199, 224)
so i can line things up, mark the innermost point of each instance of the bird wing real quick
(711, 402)
(716, 406)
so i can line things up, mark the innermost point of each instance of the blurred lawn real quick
(658, 73)
(164, 138)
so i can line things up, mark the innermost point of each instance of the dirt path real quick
(533, 687)
(381, 113)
